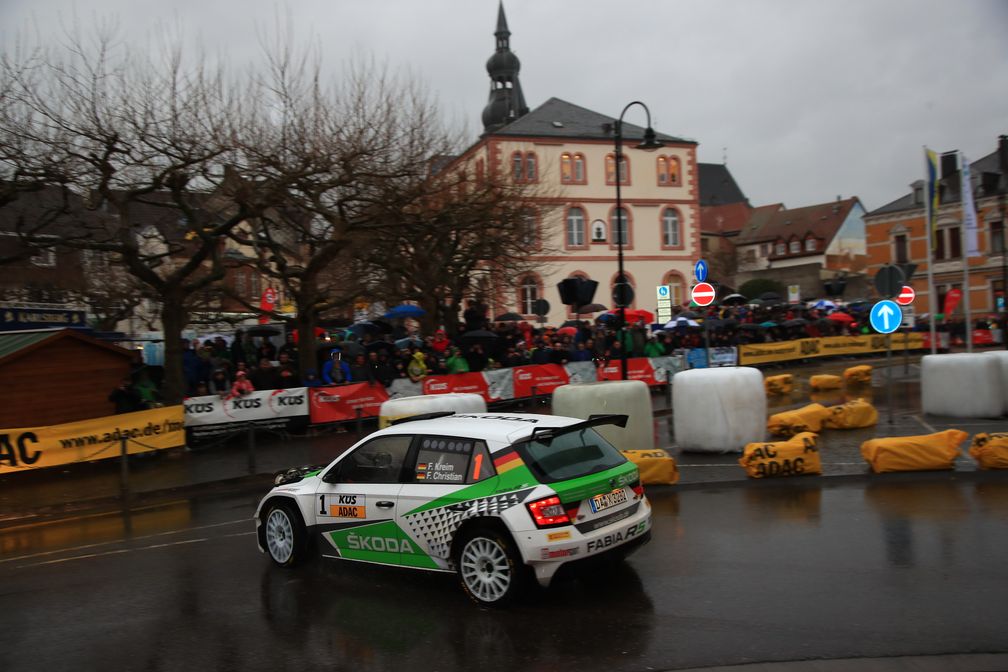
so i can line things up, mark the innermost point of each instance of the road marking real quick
(119, 551)
(244, 521)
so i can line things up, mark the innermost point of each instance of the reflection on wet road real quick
(737, 572)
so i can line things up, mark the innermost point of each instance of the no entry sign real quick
(703, 293)
(906, 296)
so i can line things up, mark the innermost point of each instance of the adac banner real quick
(342, 402)
(94, 439)
(274, 409)
(763, 353)
(472, 383)
(538, 380)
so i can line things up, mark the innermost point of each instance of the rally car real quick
(495, 498)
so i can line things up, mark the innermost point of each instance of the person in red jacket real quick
(242, 386)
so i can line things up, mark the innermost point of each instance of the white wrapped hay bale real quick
(719, 410)
(962, 385)
(460, 402)
(1002, 357)
(627, 397)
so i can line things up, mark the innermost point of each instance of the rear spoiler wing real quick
(549, 433)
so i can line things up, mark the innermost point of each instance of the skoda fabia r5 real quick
(497, 499)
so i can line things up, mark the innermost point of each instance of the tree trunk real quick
(173, 320)
(307, 346)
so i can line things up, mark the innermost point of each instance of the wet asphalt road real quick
(737, 572)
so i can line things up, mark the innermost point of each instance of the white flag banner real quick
(969, 214)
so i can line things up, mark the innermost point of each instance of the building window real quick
(941, 291)
(997, 290)
(997, 237)
(780, 249)
(677, 292)
(531, 174)
(794, 247)
(900, 253)
(575, 227)
(618, 225)
(668, 171)
(810, 244)
(524, 167)
(670, 228)
(518, 166)
(566, 168)
(579, 168)
(45, 258)
(765, 249)
(529, 294)
(610, 169)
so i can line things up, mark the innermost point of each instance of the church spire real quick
(506, 100)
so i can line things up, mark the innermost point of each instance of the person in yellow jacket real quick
(417, 367)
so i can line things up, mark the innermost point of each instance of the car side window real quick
(377, 461)
(448, 460)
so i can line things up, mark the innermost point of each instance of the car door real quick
(438, 494)
(356, 504)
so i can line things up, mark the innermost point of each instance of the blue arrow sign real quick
(700, 271)
(886, 317)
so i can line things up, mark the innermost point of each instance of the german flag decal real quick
(507, 462)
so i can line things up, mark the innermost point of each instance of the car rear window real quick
(569, 455)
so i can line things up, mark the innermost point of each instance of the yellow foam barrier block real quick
(798, 456)
(858, 375)
(805, 419)
(854, 414)
(656, 467)
(990, 450)
(914, 453)
(781, 384)
(825, 382)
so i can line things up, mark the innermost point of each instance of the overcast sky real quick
(812, 99)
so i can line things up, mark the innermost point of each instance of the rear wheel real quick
(490, 568)
(285, 535)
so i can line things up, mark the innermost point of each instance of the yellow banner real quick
(95, 439)
(782, 351)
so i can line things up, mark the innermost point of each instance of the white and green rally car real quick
(485, 495)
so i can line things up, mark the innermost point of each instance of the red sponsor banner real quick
(340, 402)
(638, 368)
(952, 300)
(983, 337)
(267, 303)
(538, 379)
(471, 383)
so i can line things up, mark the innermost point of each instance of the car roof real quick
(492, 427)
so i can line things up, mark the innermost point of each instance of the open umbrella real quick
(823, 304)
(590, 308)
(370, 327)
(263, 330)
(733, 300)
(509, 317)
(567, 331)
(749, 326)
(797, 322)
(635, 315)
(840, 317)
(757, 302)
(404, 310)
(681, 322)
(768, 324)
(479, 336)
(770, 296)
(408, 341)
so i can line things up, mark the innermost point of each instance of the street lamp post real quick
(622, 293)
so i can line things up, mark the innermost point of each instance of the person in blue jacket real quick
(335, 371)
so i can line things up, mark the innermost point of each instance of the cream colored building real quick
(569, 150)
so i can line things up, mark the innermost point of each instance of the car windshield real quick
(569, 455)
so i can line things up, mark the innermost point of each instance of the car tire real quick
(284, 534)
(490, 567)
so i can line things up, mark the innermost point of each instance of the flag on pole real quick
(931, 159)
(969, 213)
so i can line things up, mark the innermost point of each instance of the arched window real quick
(528, 294)
(794, 247)
(810, 244)
(780, 249)
(566, 168)
(618, 225)
(579, 168)
(670, 228)
(677, 287)
(575, 227)
(663, 170)
(518, 166)
(674, 172)
(531, 174)
(611, 169)
(529, 223)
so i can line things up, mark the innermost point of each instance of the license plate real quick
(607, 500)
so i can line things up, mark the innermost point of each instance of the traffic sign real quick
(622, 294)
(703, 293)
(906, 296)
(540, 307)
(889, 280)
(885, 317)
(663, 291)
(700, 271)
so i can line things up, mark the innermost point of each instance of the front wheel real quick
(285, 535)
(490, 568)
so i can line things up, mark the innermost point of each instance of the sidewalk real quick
(235, 465)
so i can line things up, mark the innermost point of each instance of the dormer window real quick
(810, 244)
(794, 247)
(780, 249)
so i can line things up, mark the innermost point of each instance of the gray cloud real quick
(811, 99)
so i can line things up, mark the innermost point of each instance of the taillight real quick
(548, 512)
